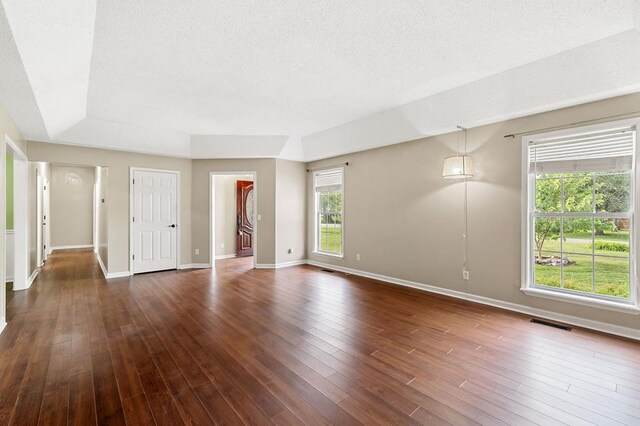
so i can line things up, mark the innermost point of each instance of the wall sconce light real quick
(458, 166)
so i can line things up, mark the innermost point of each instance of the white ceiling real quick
(300, 80)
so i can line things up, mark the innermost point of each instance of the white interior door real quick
(155, 211)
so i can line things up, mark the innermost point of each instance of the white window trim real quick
(316, 250)
(631, 305)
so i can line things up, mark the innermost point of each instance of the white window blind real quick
(599, 151)
(329, 180)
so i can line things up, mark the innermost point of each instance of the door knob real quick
(172, 225)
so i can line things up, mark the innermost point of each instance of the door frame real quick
(21, 273)
(46, 216)
(212, 213)
(39, 219)
(179, 224)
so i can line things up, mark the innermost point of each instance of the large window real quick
(329, 228)
(580, 213)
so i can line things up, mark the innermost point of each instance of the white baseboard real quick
(281, 265)
(122, 274)
(80, 246)
(111, 275)
(225, 256)
(195, 266)
(3, 324)
(102, 267)
(567, 319)
(32, 278)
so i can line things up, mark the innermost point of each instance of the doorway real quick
(17, 245)
(233, 216)
(155, 220)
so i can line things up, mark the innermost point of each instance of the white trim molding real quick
(107, 275)
(3, 324)
(281, 265)
(122, 274)
(225, 256)
(78, 246)
(195, 266)
(31, 279)
(102, 267)
(527, 310)
(626, 308)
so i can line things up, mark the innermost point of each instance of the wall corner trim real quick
(122, 274)
(195, 266)
(3, 324)
(225, 256)
(108, 275)
(281, 265)
(104, 270)
(617, 330)
(32, 278)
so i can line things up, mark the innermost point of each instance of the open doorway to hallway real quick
(17, 245)
(233, 216)
(77, 214)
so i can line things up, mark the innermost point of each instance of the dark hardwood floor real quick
(292, 346)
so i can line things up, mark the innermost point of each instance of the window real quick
(329, 229)
(580, 221)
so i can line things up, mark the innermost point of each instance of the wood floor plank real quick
(82, 406)
(108, 402)
(237, 345)
(55, 399)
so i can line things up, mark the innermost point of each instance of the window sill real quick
(336, 256)
(627, 308)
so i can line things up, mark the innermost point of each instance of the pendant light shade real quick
(457, 167)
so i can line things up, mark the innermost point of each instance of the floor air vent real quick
(327, 270)
(550, 324)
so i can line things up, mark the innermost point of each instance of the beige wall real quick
(225, 213)
(291, 192)
(406, 221)
(102, 181)
(265, 183)
(118, 163)
(71, 217)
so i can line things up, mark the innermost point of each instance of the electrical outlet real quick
(465, 274)
(197, 251)
(358, 256)
(221, 245)
(259, 217)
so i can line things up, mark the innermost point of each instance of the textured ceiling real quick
(215, 78)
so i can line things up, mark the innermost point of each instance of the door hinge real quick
(134, 181)
(133, 219)
(133, 257)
